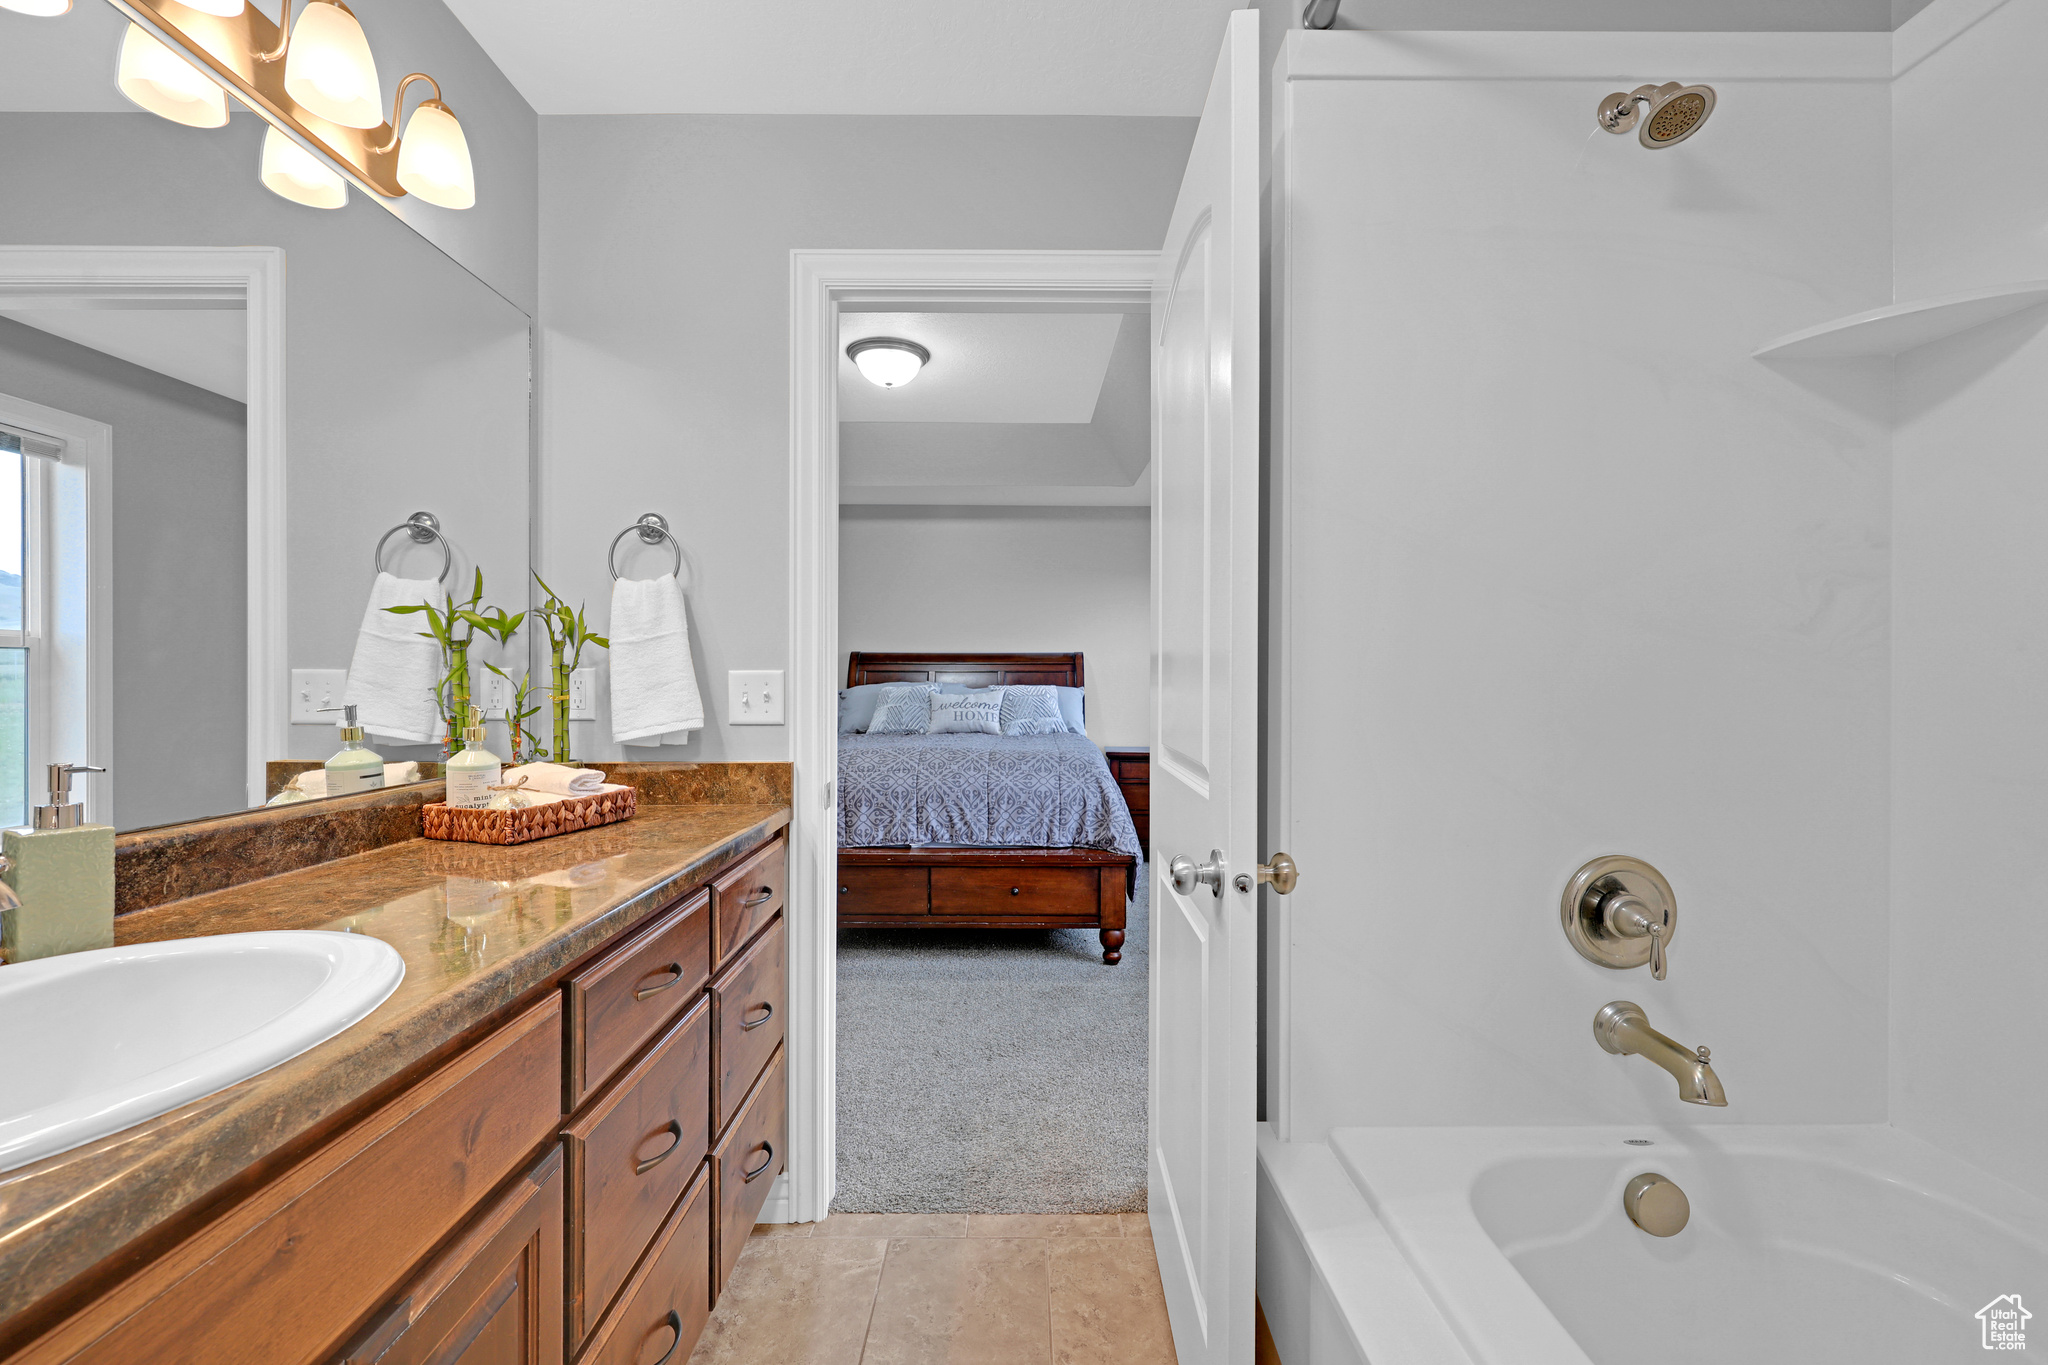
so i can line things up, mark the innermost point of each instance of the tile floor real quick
(944, 1289)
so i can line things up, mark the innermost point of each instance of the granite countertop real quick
(479, 927)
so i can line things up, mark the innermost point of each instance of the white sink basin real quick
(92, 1043)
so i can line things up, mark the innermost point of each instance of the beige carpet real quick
(991, 1071)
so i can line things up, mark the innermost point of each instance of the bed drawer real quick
(748, 1014)
(748, 897)
(622, 1000)
(629, 1158)
(879, 891)
(669, 1301)
(746, 1164)
(987, 892)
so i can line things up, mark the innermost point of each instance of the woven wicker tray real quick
(534, 822)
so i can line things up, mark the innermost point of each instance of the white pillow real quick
(968, 713)
(903, 709)
(1032, 711)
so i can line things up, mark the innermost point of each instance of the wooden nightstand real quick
(1131, 766)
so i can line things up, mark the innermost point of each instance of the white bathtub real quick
(1806, 1245)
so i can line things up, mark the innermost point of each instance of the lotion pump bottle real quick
(62, 871)
(355, 768)
(473, 772)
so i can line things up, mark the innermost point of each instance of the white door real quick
(1205, 548)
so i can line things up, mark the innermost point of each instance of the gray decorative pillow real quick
(968, 713)
(1032, 711)
(903, 709)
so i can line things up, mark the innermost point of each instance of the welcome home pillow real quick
(968, 713)
(1032, 711)
(903, 709)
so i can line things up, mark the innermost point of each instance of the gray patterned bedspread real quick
(984, 791)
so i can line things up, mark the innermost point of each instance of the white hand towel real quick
(392, 681)
(556, 778)
(654, 680)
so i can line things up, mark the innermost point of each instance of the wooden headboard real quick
(973, 670)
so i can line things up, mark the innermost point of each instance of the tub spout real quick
(1621, 1028)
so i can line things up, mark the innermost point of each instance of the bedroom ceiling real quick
(1015, 408)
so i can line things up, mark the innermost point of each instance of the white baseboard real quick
(780, 1207)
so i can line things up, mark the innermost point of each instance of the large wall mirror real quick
(214, 404)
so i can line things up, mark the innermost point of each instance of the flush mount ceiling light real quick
(889, 362)
(313, 79)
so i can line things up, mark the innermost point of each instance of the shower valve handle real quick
(1627, 917)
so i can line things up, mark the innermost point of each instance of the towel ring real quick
(424, 526)
(653, 529)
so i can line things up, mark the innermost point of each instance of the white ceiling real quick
(208, 348)
(985, 367)
(854, 56)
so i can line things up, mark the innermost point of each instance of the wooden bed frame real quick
(983, 888)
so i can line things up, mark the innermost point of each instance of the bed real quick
(981, 831)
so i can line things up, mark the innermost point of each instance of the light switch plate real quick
(313, 688)
(754, 696)
(583, 694)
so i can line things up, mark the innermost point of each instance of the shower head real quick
(1668, 114)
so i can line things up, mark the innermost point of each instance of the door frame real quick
(161, 277)
(820, 281)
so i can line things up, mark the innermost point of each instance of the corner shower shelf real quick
(1903, 326)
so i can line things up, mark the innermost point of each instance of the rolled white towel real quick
(313, 781)
(394, 677)
(557, 778)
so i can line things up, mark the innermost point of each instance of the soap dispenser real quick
(473, 772)
(62, 870)
(355, 768)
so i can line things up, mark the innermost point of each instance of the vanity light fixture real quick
(311, 77)
(889, 362)
(292, 171)
(165, 83)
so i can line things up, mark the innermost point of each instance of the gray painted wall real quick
(999, 578)
(665, 246)
(407, 378)
(180, 588)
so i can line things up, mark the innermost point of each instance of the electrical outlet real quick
(583, 694)
(493, 694)
(313, 689)
(754, 696)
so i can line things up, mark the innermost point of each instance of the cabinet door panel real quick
(746, 1163)
(748, 897)
(750, 1000)
(666, 1305)
(625, 998)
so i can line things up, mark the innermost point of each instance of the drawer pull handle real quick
(674, 1322)
(676, 970)
(643, 1167)
(767, 894)
(844, 890)
(768, 1161)
(767, 1013)
(1016, 891)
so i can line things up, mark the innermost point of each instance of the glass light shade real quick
(433, 160)
(225, 9)
(164, 83)
(891, 364)
(298, 175)
(41, 9)
(329, 70)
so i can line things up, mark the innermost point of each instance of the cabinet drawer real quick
(986, 892)
(629, 1158)
(746, 1163)
(492, 1298)
(665, 1307)
(1137, 796)
(617, 1003)
(748, 897)
(747, 1002)
(865, 891)
(281, 1277)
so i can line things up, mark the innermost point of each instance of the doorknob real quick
(1281, 872)
(1187, 874)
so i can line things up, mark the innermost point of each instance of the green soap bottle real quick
(61, 871)
(473, 772)
(355, 768)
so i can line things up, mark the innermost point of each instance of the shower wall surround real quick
(1970, 588)
(1561, 571)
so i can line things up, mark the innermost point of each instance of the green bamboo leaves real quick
(568, 633)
